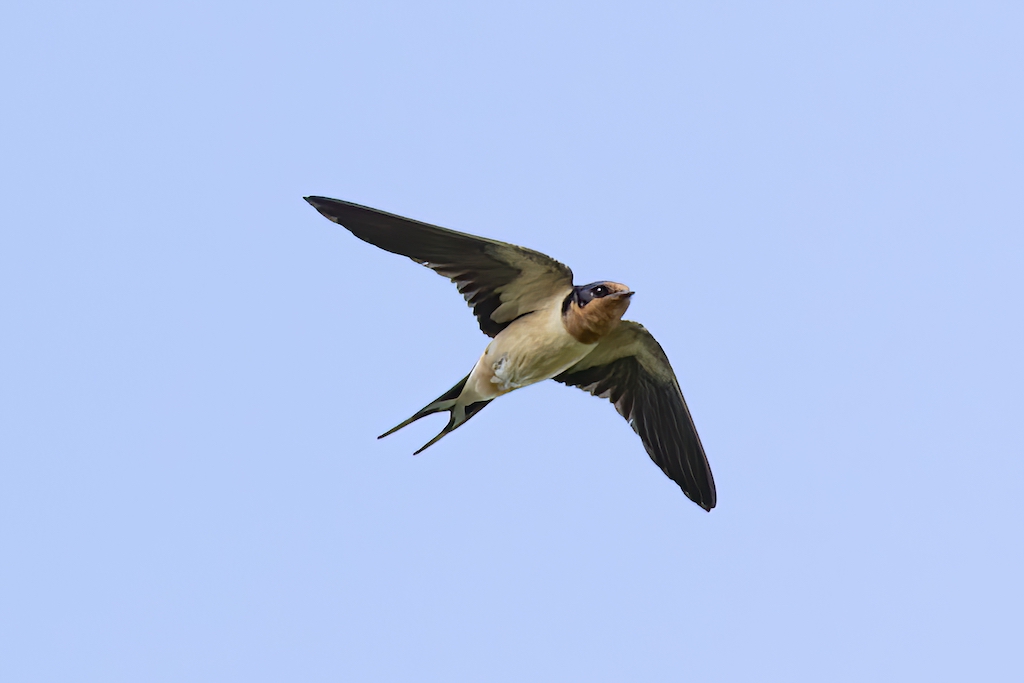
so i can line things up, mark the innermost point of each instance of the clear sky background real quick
(820, 206)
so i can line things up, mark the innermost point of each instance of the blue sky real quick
(819, 206)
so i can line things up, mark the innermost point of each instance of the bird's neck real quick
(588, 324)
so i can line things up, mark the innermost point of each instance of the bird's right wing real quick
(629, 368)
(500, 281)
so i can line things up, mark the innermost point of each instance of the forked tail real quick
(460, 413)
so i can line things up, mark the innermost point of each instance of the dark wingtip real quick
(704, 499)
(316, 202)
(327, 207)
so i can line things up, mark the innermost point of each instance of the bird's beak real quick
(624, 295)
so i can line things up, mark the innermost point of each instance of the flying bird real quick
(545, 327)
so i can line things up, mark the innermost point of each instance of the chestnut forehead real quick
(614, 286)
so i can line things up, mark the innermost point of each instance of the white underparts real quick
(501, 375)
(532, 348)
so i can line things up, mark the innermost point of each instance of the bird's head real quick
(592, 311)
(613, 293)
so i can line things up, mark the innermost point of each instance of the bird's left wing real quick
(629, 368)
(500, 281)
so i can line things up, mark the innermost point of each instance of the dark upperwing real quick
(499, 281)
(630, 368)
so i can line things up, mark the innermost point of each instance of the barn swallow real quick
(544, 327)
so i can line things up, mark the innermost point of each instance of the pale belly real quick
(529, 350)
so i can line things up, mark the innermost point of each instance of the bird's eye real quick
(600, 291)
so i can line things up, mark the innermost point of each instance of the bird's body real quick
(533, 348)
(544, 327)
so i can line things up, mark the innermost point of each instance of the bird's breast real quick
(533, 348)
